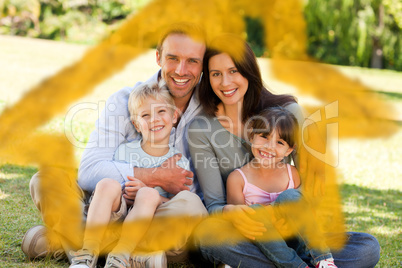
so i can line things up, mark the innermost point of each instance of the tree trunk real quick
(376, 55)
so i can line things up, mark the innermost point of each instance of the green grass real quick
(369, 169)
(378, 212)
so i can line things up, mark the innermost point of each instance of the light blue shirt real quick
(132, 153)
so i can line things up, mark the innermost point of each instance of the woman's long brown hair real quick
(257, 96)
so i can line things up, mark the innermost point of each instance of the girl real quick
(266, 180)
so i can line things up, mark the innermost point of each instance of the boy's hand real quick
(131, 188)
(169, 176)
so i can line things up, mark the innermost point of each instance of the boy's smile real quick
(154, 120)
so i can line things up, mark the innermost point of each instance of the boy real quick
(153, 114)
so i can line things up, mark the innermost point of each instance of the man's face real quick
(181, 63)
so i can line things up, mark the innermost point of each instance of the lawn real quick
(369, 170)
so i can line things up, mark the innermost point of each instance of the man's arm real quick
(112, 128)
(171, 177)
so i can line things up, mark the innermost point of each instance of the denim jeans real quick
(361, 250)
(276, 250)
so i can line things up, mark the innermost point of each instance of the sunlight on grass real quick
(9, 176)
(386, 230)
(373, 163)
(3, 195)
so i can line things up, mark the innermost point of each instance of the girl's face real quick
(269, 150)
(226, 81)
(155, 120)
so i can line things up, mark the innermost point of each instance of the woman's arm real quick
(206, 164)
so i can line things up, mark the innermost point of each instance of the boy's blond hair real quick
(157, 91)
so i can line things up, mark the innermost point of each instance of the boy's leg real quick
(105, 200)
(137, 221)
(173, 224)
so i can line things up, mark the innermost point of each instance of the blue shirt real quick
(132, 153)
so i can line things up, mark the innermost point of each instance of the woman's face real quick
(226, 81)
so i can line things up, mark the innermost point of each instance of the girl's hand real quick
(131, 188)
(239, 215)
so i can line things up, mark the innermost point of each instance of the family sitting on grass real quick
(203, 96)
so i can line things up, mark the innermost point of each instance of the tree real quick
(365, 33)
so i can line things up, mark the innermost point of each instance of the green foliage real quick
(84, 21)
(19, 17)
(255, 35)
(351, 32)
(345, 32)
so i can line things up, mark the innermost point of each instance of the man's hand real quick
(239, 215)
(169, 176)
(131, 188)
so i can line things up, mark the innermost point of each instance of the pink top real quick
(255, 195)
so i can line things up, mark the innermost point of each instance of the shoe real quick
(153, 260)
(326, 264)
(222, 265)
(117, 261)
(35, 244)
(83, 258)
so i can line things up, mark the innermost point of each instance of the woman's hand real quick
(239, 215)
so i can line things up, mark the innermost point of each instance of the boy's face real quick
(155, 120)
(269, 150)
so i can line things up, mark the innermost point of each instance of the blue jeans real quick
(277, 250)
(360, 251)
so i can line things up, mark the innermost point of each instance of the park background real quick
(363, 38)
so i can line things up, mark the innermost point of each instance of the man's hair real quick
(194, 31)
(275, 118)
(144, 91)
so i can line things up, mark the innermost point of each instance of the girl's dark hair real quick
(275, 118)
(256, 97)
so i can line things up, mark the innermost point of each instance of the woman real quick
(231, 92)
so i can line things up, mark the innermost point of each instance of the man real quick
(180, 56)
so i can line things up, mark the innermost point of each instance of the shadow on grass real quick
(377, 212)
